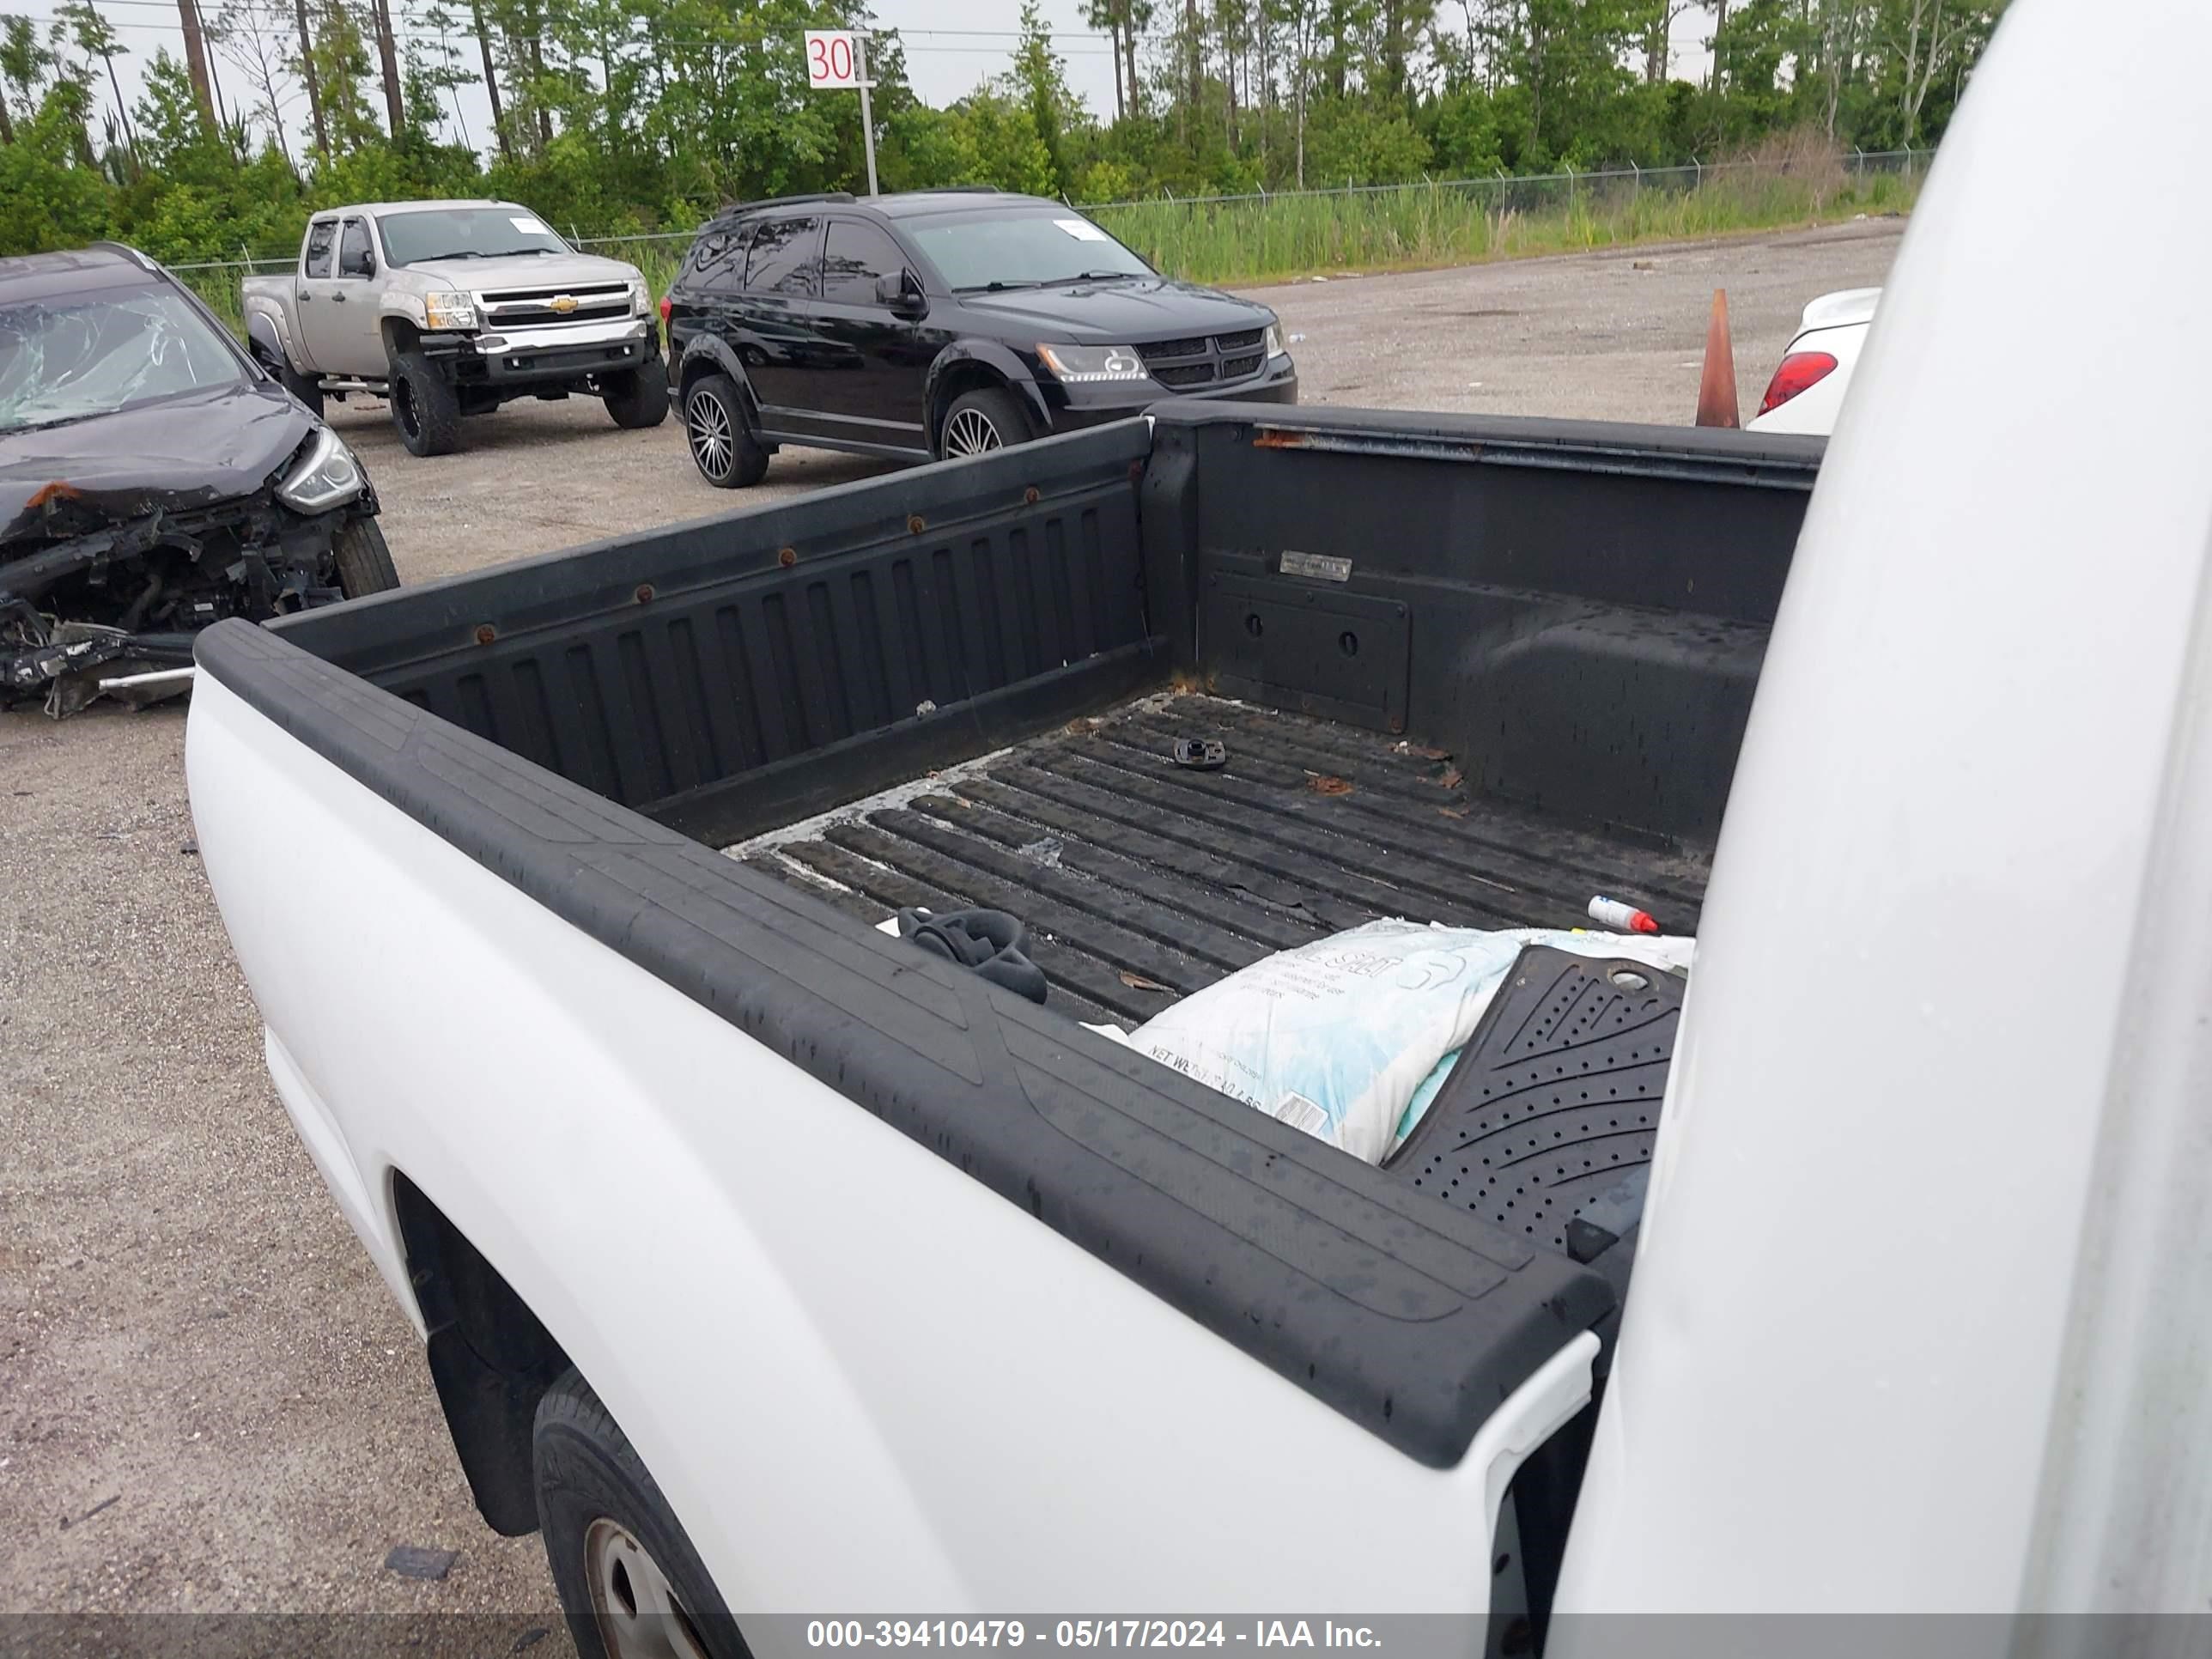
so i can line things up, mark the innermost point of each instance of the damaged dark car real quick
(152, 480)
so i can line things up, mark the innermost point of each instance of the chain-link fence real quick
(1532, 191)
(1272, 233)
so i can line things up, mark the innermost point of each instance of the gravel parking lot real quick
(207, 1400)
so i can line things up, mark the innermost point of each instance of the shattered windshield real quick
(63, 360)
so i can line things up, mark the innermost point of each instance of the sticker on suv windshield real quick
(529, 227)
(1082, 229)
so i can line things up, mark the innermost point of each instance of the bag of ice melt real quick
(1335, 1036)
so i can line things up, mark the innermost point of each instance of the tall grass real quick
(219, 285)
(1257, 240)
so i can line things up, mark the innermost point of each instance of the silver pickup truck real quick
(453, 308)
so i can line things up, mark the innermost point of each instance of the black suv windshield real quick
(63, 360)
(975, 250)
(491, 232)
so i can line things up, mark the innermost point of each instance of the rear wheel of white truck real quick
(629, 1581)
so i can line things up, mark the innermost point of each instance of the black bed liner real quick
(1134, 872)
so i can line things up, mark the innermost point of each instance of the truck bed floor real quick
(1142, 881)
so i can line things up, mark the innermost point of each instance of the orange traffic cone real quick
(1716, 404)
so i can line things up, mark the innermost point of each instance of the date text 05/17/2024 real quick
(1087, 1633)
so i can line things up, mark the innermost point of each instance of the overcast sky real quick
(950, 45)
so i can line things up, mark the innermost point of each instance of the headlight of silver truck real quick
(1075, 363)
(1275, 346)
(641, 298)
(449, 310)
(327, 476)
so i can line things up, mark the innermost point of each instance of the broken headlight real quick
(324, 477)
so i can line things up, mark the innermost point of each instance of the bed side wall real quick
(733, 673)
(1577, 610)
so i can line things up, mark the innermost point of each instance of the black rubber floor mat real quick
(1545, 1125)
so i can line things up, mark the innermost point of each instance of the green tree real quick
(51, 199)
(1039, 82)
(26, 61)
(343, 72)
(80, 23)
(998, 144)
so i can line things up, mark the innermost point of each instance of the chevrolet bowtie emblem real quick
(562, 304)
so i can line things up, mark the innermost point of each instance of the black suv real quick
(938, 324)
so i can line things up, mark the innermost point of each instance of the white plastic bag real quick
(1335, 1038)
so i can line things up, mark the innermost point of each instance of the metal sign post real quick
(838, 58)
(867, 121)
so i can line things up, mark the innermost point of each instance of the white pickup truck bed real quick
(1531, 693)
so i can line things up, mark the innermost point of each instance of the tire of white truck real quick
(306, 387)
(627, 1576)
(364, 561)
(723, 446)
(425, 408)
(638, 399)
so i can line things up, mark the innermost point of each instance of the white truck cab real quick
(1946, 1065)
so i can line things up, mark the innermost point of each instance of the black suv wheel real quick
(980, 421)
(722, 441)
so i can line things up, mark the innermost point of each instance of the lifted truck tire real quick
(425, 408)
(364, 561)
(980, 421)
(723, 446)
(639, 396)
(629, 1579)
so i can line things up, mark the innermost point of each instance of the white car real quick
(1808, 384)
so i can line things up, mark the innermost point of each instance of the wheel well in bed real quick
(490, 1358)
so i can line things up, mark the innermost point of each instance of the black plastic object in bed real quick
(1545, 1125)
(1411, 1318)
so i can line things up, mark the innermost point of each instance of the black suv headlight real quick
(325, 476)
(1075, 363)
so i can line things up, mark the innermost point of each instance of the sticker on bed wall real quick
(1083, 230)
(1314, 566)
